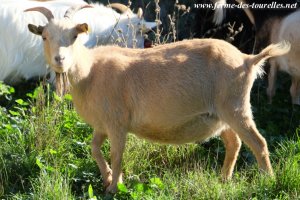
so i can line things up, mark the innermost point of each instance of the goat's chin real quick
(59, 69)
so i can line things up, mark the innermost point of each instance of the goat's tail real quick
(254, 62)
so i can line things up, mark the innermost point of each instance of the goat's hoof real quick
(226, 179)
(111, 189)
(107, 182)
(107, 179)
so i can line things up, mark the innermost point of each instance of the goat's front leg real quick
(233, 145)
(117, 146)
(98, 139)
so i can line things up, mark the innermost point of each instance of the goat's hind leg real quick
(244, 126)
(232, 144)
(98, 139)
(272, 76)
(295, 90)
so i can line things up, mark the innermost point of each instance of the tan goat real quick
(174, 93)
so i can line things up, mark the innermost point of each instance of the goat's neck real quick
(82, 65)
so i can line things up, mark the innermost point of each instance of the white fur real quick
(219, 13)
(21, 56)
(288, 29)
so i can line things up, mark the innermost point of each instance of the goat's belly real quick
(198, 129)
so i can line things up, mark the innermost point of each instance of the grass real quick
(45, 154)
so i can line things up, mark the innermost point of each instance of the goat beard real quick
(62, 83)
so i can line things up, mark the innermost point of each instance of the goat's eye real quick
(44, 38)
(75, 37)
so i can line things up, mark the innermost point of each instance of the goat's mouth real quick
(62, 83)
(58, 68)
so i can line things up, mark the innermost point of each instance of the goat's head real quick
(60, 37)
(135, 24)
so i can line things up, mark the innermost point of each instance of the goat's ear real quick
(38, 30)
(82, 28)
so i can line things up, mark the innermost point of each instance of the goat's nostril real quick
(59, 59)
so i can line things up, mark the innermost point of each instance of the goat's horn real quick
(72, 10)
(121, 7)
(45, 11)
(140, 13)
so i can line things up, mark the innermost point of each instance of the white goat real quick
(20, 55)
(220, 11)
(174, 93)
(287, 29)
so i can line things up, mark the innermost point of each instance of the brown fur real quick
(174, 93)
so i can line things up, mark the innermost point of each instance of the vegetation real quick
(45, 152)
